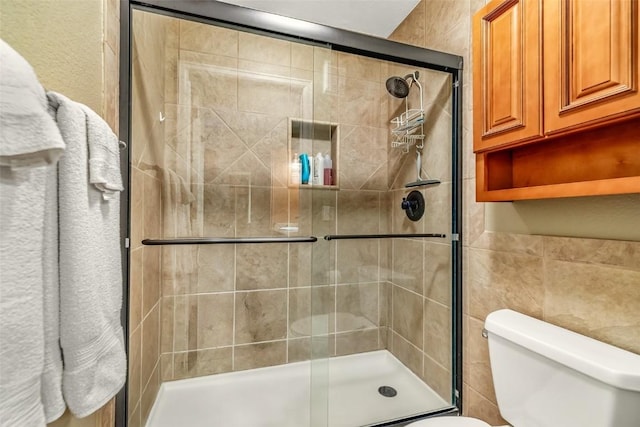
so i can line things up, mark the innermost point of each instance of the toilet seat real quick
(449, 422)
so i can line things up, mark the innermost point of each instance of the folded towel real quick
(104, 156)
(22, 209)
(91, 336)
(28, 135)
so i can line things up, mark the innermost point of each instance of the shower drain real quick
(387, 391)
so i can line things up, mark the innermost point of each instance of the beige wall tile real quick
(150, 277)
(356, 306)
(134, 369)
(437, 272)
(216, 268)
(412, 29)
(260, 316)
(600, 302)
(301, 56)
(384, 303)
(593, 251)
(298, 349)
(358, 212)
(256, 94)
(150, 344)
(504, 280)
(359, 102)
(437, 377)
(134, 418)
(167, 307)
(135, 289)
(202, 362)
(208, 38)
(408, 315)
(478, 406)
(437, 332)
(166, 367)
(152, 208)
(264, 49)
(303, 302)
(477, 367)
(213, 82)
(149, 394)
(506, 242)
(300, 264)
(215, 320)
(407, 268)
(407, 353)
(137, 207)
(356, 342)
(357, 261)
(257, 268)
(363, 150)
(219, 214)
(358, 67)
(259, 355)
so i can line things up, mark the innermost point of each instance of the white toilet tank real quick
(547, 376)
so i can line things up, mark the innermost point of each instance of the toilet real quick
(547, 376)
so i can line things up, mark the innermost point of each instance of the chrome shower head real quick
(399, 86)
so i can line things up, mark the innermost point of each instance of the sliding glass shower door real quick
(280, 272)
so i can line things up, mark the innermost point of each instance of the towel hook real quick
(122, 145)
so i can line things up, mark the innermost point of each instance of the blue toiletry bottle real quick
(305, 168)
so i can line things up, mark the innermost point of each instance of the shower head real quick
(399, 86)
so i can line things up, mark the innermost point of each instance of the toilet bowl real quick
(547, 376)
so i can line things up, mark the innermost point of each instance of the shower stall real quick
(258, 299)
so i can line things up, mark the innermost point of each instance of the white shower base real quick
(280, 396)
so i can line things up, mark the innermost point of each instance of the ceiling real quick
(375, 17)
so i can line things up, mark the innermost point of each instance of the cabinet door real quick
(506, 73)
(591, 62)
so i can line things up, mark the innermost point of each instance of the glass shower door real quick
(220, 117)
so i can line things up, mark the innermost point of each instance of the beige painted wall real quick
(73, 47)
(62, 40)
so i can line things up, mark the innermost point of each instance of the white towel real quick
(22, 207)
(29, 139)
(90, 274)
(51, 393)
(104, 156)
(22, 101)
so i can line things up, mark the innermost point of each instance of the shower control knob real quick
(413, 205)
(408, 205)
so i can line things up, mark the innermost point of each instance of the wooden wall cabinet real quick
(556, 98)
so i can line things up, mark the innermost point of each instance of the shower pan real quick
(255, 299)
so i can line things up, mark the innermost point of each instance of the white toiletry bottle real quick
(311, 161)
(328, 170)
(294, 170)
(318, 169)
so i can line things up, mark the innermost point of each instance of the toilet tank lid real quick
(611, 365)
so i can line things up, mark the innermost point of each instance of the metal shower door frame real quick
(215, 12)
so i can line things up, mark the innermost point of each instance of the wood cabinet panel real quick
(591, 62)
(507, 69)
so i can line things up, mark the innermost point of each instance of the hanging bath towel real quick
(30, 368)
(90, 273)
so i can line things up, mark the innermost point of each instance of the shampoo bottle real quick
(304, 168)
(328, 170)
(318, 169)
(294, 170)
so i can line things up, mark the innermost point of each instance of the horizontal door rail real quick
(228, 240)
(379, 236)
